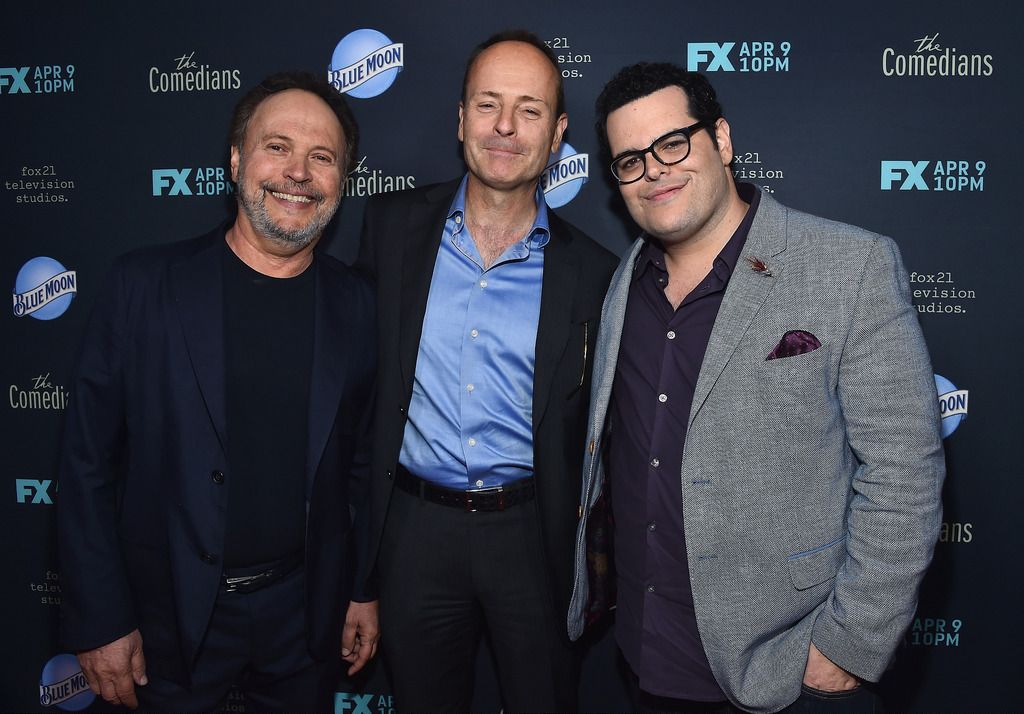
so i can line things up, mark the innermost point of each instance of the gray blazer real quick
(811, 484)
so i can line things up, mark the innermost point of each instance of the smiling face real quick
(508, 122)
(290, 170)
(691, 200)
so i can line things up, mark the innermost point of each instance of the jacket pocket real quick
(817, 565)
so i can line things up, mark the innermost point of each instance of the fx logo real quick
(357, 703)
(715, 55)
(893, 171)
(37, 491)
(162, 178)
(15, 77)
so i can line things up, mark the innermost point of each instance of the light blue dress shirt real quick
(470, 422)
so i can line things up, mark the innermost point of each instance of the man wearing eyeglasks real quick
(764, 421)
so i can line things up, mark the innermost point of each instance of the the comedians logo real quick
(44, 79)
(63, 685)
(564, 175)
(41, 394)
(929, 58)
(190, 75)
(209, 181)
(44, 289)
(364, 181)
(365, 63)
(761, 56)
(950, 175)
(952, 404)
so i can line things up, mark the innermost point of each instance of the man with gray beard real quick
(214, 467)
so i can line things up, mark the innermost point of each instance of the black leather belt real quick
(484, 499)
(257, 577)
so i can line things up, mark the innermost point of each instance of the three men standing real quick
(763, 421)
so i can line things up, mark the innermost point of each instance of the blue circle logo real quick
(63, 685)
(44, 289)
(564, 175)
(365, 63)
(952, 404)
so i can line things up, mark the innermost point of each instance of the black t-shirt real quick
(268, 336)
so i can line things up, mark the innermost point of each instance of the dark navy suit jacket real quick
(141, 517)
(399, 244)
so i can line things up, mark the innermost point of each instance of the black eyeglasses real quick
(669, 149)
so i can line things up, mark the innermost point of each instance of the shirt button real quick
(479, 483)
(470, 387)
(458, 219)
(483, 283)
(650, 588)
(662, 398)
(652, 526)
(671, 335)
(474, 333)
(471, 442)
(655, 462)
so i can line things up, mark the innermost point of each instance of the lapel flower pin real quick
(758, 266)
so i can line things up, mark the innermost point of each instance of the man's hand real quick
(359, 638)
(821, 673)
(114, 669)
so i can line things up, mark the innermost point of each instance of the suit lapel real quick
(416, 257)
(609, 338)
(197, 286)
(746, 292)
(329, 366)
(561, 271)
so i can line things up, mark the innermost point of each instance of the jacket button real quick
(208, 558)
(217, 477)
(401, 410)
(389, 474)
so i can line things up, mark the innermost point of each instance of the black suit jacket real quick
(400, 239)
(141, 516)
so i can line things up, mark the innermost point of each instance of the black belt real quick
(257, 577)
(485, 499)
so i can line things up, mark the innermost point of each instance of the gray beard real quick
(255, 208)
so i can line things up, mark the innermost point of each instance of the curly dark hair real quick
(644, 78)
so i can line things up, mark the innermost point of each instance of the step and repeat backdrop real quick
(900, 117)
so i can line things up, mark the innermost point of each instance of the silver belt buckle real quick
(485, 492)
(234, 584)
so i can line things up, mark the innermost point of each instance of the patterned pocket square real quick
(793, 343)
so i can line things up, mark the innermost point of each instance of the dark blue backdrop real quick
(114, 134)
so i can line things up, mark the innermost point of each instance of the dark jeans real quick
(862, 700)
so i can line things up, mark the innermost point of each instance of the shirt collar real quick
(538, 235)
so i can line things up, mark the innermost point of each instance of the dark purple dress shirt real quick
(659, 361)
